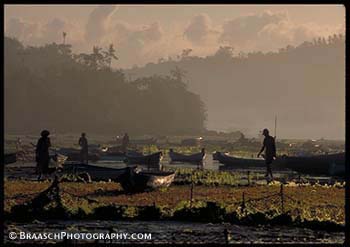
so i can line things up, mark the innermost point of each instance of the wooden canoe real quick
(97, 173)
(76, 156)
(138, 181)
(117, 155)
(217, 154)
(151, 159)
(313, 165)
(318, 165)
(239, 162)
(192, 158)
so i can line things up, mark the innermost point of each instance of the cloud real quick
(132, 41)
(270, 31)
(285, 32)
(53, 30)
(199, 29)
(22, 30)
(244, 28)
(147, 33)
(43, 33)
(139, 44)
(97, 25)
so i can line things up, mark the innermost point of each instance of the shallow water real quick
(181, 232)
(27, 171)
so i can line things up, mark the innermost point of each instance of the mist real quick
(122, 68)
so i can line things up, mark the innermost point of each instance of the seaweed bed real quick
(303, 205)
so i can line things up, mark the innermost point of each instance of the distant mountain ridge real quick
(304, 86)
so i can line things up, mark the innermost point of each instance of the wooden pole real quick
(243, 203)
(248, 177)
(275, 127)
(282, 199)
(191, 194)
(226, 235)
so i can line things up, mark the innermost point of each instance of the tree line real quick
(50, 87)
(304, 85)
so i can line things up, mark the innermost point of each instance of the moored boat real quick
(117, 155)
(138, 181)
(228, 160)
(216, 155)
(319, 164)
(192, 158)
(74, 154)
(328, 164)
(150, 159)
(96, 173)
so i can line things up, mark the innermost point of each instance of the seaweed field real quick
(182, 202)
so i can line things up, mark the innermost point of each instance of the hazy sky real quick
(144, 34)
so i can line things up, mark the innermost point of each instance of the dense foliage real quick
(50, 87)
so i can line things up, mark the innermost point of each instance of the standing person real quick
(125, 142)
(270, 151)
(84, 153)
(42, 153)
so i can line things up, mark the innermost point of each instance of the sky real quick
(146, 33)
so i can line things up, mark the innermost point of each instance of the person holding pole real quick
(270, 151)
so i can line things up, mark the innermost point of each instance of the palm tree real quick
(64, 37)
(109, 55)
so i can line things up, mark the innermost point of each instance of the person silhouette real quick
(270, 151)
(42, 153)
(125, 142)
(84, 153)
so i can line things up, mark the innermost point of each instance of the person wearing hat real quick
(270, 151)
(84, 153)
(42, 153)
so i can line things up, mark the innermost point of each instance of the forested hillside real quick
(304, 86)
(50, 87)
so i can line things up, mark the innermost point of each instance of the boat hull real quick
(96, 173)
(117, 155)
(151, 159)
(133, 181)
(319, 165)
(239, 162)
(194, 158)
(333, 164)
